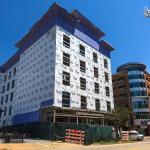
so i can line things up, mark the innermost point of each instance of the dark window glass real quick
(82, 66)
(14, 71)
(65, 99)
(66, 78)
(6, 98)
(83, 83)
(97, 104)
(8, 85)
(83, 102)
(108, 106)
(106, 77)
(5, 111)
(5, 78)
(96, 87)
(2, 100)
(66, 41)
(95, 72)
(105, 63)
(9, 75)
(13, 83)
(82, 50)
(10, 109)
(95, 57)
(11, 96)
(66, 59)
(3, 89)
(107, 91)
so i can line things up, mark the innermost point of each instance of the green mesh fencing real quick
(57, 131)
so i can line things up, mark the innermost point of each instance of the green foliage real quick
(119, 117)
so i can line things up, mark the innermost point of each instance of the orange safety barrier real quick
(75, 136)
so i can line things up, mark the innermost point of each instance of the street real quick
(46, 145)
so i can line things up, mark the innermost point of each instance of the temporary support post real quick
(54, 117)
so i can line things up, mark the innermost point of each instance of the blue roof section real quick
(47, 103)
(27, 118)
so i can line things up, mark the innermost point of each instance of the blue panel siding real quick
(27, 118)
(78, 30)
(47, 103)
(104, 51)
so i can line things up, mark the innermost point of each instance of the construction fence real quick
(57, 131)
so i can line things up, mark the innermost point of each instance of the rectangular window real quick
(82, 66)
(95, 57)
(66, 41)
(106, 77)
(13, 83)
(83, 83)
(66, 59)
(105, 63)
(3, 89)
(6, 98)
(2, 100)
(14, 71)
(11, 96)
(83, 102)
(5, 111)
(108, 106)
(97, 104)
(5, 78)
(8, 85)
(95, 72)
(9, 75)
(82, 50)
(107, 91)
(96, 87)
(65, 99)
(66, 78)
(10, 109)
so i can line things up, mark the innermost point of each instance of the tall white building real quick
(61, 65)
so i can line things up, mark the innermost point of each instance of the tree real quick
(119, 117)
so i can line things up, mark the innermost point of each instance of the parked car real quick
(135, 135)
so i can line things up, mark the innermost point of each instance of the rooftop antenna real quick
(146, 12)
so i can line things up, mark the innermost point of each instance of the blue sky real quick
(122, 20)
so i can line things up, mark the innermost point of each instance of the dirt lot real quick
(40, 146)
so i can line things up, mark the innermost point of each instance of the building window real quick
(108, 106)
(10, 109)
(105, 63)
(9, 75)
(6, 98)
(96, 87)
(5, 111)
(83, 83)
(11, 96)
(83, 102)
(95, 57)
(3, 89)
(8, 85)
(95, 72)
(66, 78)
(82, 66)
(66, 59)
(106, 77)
(82, 50)
(66, 41)
(65, 99)
(2, 100)
(13, 83)
(14, 71)
(107, 91)
(5, 78)
(97, 104)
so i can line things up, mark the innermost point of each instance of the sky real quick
(126, 29)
